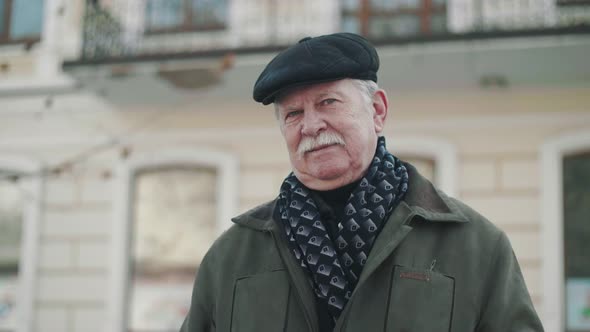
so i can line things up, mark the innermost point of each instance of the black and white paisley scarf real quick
(335, 265)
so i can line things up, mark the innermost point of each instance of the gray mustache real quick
(324, 138)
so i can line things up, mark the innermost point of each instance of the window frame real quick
(572, 3)
(425, 12)
(5, 34)
(553, 284)
(227, 167)
(444, 155)
(29, 250)
(187, 24)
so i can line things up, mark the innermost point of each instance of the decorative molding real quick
(552, 154)
(37, 85)
(29, 250)
(227, 201)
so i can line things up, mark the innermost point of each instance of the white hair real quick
(367, 88)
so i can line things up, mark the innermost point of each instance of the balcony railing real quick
(116, 30)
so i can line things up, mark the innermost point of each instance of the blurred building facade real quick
(129, 139)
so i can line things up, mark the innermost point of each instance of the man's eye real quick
(328, 101)
(292, 114)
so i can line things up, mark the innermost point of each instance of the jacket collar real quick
(428, 202)
(422, 200)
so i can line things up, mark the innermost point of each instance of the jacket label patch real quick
(415, 276)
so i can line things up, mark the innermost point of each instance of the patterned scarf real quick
(336, 264)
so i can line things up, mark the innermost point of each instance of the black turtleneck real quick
(331, 204)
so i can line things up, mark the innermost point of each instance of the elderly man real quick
(357, 240)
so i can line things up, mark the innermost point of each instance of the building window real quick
(572, 2)
(21, 21)
(573, 12)
(174, 223)
(163, 16)
(170, 208)
(576, 232)
(11, 227)
(425, 166)
(382, 19)
(435, 159)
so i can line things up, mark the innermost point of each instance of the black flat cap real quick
(316, 60)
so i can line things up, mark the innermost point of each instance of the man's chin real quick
(326, 178)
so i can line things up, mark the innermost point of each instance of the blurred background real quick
(129, 138)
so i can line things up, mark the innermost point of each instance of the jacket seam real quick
(483, 297)
(252, 275)
(231, 315)
(212, 258)
(389, 296)
(286, 324)
(452, 303)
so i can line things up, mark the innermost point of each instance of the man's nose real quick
(312, 123)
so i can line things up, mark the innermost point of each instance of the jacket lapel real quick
(428, 202)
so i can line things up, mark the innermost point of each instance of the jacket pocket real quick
(420, 301)
(260, 302)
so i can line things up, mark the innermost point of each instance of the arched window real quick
(174, 205)
(20, 190)
(565, 231)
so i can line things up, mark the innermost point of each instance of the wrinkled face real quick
(331, 132)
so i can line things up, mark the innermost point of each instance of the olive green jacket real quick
(436, 266)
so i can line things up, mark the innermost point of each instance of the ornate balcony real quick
(130, 30)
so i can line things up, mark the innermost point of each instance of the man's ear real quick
(380, 107)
